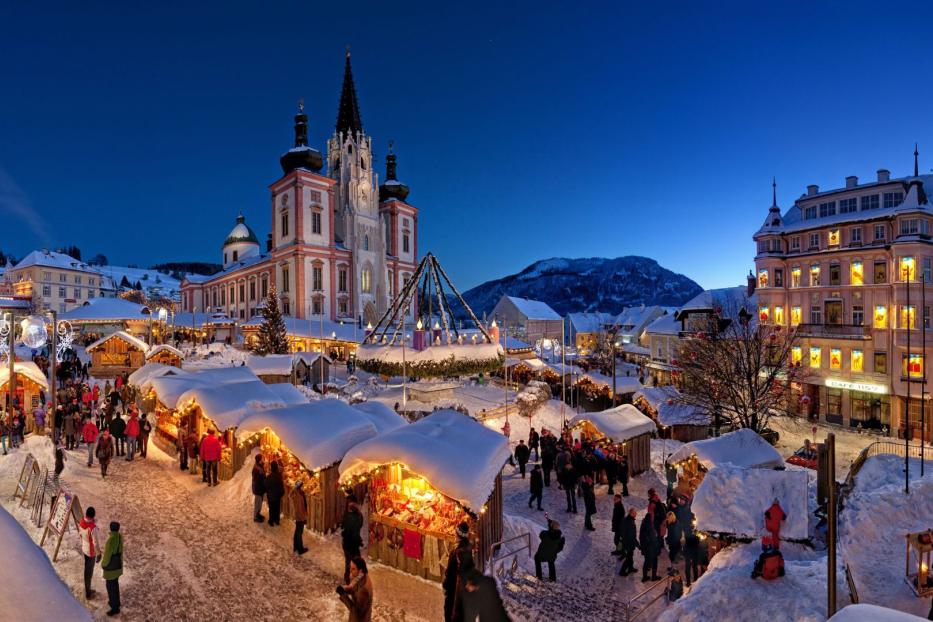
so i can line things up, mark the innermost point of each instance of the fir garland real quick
(448, 367)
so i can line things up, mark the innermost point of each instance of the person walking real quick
(612, 472)
(4, 433)
(481, 600)
(210, 454)
(68, 427)
(534, 440)
(589, 502)
(145, 429)
(537, 486)
(522, 454)
(629, 544)
(117, 427)
(132, 435)
(569, 483)
(623, 474)
(674, 535)
(89, 434)
(259, 488)
(300, 506)
(548, 452)
(350, 540)
(459, 563)
(552, 543)
(275, 490)
(648, 538)
(691, 558)
(112, 565)
(89, 535)
(105, 452)
(181, 444)
(618, 519)
(357, 595)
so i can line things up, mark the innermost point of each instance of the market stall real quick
(165, 354)
(311, 367)
(675, 419)
(30, 382)
(117, 353)
(424, 480)
(624, 428)
(744, 448)
(289, 395)
(273, 368)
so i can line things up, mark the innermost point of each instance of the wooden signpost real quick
(38, 497)
(29, 473)
(66, 507)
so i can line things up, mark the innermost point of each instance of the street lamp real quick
(163, 315)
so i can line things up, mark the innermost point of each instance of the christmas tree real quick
(272, 338)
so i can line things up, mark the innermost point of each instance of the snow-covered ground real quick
(793, 431)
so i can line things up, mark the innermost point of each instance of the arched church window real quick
(363, 163)
(366, 242)
(366, 280)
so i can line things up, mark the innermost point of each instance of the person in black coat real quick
(118, 432)
(623, 474)
(648, 538)
(481, 600)
(612, 472)
(275, 490)
(459, 563)
(552, 543)
(589, 502)
(618, 517)
(629, 541)
(691, 558)
(548, 452)
(259, 489)
(537, 486)
(534, 440)
(522, 454)
(674, 535)
(350, 539)
(569, 482)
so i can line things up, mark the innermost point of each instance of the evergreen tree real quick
(272, 338)
(125, 283)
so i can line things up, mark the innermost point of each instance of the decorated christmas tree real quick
(272, 338)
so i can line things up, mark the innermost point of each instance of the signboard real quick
(38, 497)
(865, 387)
(30, 469)
(66, 507)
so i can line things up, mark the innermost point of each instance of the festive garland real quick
(451, 366)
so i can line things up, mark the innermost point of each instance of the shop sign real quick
(865, 387)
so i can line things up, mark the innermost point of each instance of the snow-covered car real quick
(805, 457)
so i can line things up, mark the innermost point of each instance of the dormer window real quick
(893, 199)
(236, 255)
(827, 209)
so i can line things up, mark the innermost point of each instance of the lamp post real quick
(163, 315)
(33, 333)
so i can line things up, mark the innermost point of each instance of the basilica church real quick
(341, 244)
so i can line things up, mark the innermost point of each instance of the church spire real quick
(916, 161)
(348, 113)
(774, 204)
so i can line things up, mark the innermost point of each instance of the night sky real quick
(537, 130)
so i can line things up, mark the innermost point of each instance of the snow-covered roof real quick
(732, 500)
(51, 259)
(618, 424)
(26, 368)
(624, 384)
(318, 433)
(164, 348)
(565, 368)
(459, 456)
(227, 404)
(101, 309)
(271, 364)
(664, 325)
(593, 322)
(727, 301)
(170, 388)
(288, 393)
(534, 309)
(136, 342)
(310, 357)
(864, 612)
(30, 581)
(665, 401)
(384, 418)
(634, 348)
(654, 396)
(743, 447)
(145, 374)
(461, 352)
(633, 319)
(314, 328)
(536, 364)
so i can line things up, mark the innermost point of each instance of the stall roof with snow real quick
(106, 309)
(864, 612)
(271, 364)
(618, 424)
(742, 447)
(25, 368)
(135, 342)
(666, 402)
(170, 388)
(148, 372)
(460, 457)
(164, 347)
(732, 500)
(286, 392)
(226, 405)
(310, 357)
(384, 418)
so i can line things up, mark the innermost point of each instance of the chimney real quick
(752, 283)
(884, 175)
(812, 189)
(851, 181)
(269, 243)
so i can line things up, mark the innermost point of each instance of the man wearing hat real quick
(112, 564)
(300, 504)
(350, 539)
(459, 563)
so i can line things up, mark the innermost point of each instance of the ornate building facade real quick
(341, 245)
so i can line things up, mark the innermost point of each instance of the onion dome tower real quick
(301, 156)
(392, 188)
(240, 244)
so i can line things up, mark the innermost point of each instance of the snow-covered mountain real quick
(588, 284)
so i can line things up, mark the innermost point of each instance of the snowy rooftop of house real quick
(655, 396)
(313, 328)
(164, 347)
(287, 392)
(632, 319)
(459, 456)
(145, 374)
(384, 418)
(26, 368)
(310, 357)
(634, 348)
(618, 424)
(726, 301)
(864, 612)
(30, 581)
(247, 261)
(271, 364)
(624, 384)
(51, 259)
(226, 405)
(732, 500)
(534, 309)
(665, 401)
(664, 325)
(136, 342)
(743, 447)
(592, 322)
(99, 309)
(170, 388)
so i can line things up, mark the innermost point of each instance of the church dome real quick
(301, 155)
(392, 188)
(241, 233)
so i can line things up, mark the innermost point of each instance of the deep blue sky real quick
(528, 131)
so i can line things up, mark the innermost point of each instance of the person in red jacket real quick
(210, 455)
(132, 434)
(89, 434)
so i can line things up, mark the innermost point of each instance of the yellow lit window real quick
(908, 268)
(796, 355)
(814, 275)
(779, 315)
(795, 277)
(908, 316)
(880, 319)
(762, 278)
(764, 314)
(834, 237)
(816, 357)
(835, 358)
(912, 365)
(858, 360)
(857, 273)
(795, 316)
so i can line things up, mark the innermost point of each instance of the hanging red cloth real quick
(411, 544)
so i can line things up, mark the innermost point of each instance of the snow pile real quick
(459, 456)
(732, 500)
(143, 376)
(876, 517)
(532, 396)
(619, 424)
(29, 586)
(727, 593)
(743, 447)
(271, 364)
(288, 393)
(227, 404)
(384, 418)
(872, 613)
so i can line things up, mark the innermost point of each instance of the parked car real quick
(806, 456)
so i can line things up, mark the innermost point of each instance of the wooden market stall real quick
(309, 441)
(424, 480)
(676, 420)
(117, 353)
(166, 355)
(273, 368)
(310, 367)
(624, 428)
(30, 381)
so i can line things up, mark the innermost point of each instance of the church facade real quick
(341, 245)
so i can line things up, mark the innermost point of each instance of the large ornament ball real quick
(34, 333)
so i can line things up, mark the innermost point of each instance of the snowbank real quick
(29, 585)
(227, 404)
(459, 456)
(741, 448)
(148, 372)
(619, 424)
(872, 613)
(732, 500)
(384, 418)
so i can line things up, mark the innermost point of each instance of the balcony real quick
(834, 331)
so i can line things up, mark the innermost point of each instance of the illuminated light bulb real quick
(419, 325)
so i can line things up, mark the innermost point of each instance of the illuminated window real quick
(764, 314)
(835, 358)
(796, 355)
(795, 277)
(857, 273)
(833, 239)
(907, 268)
(816, 357)
(795, 315)
(815, 275)
(912, 365)
(881, 317)
(858, 360)
(366, 280)
(762, 278)
(779, 315)
(908, 316)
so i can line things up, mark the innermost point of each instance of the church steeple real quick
(348, 113)
(301, 155)
(392, 188)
